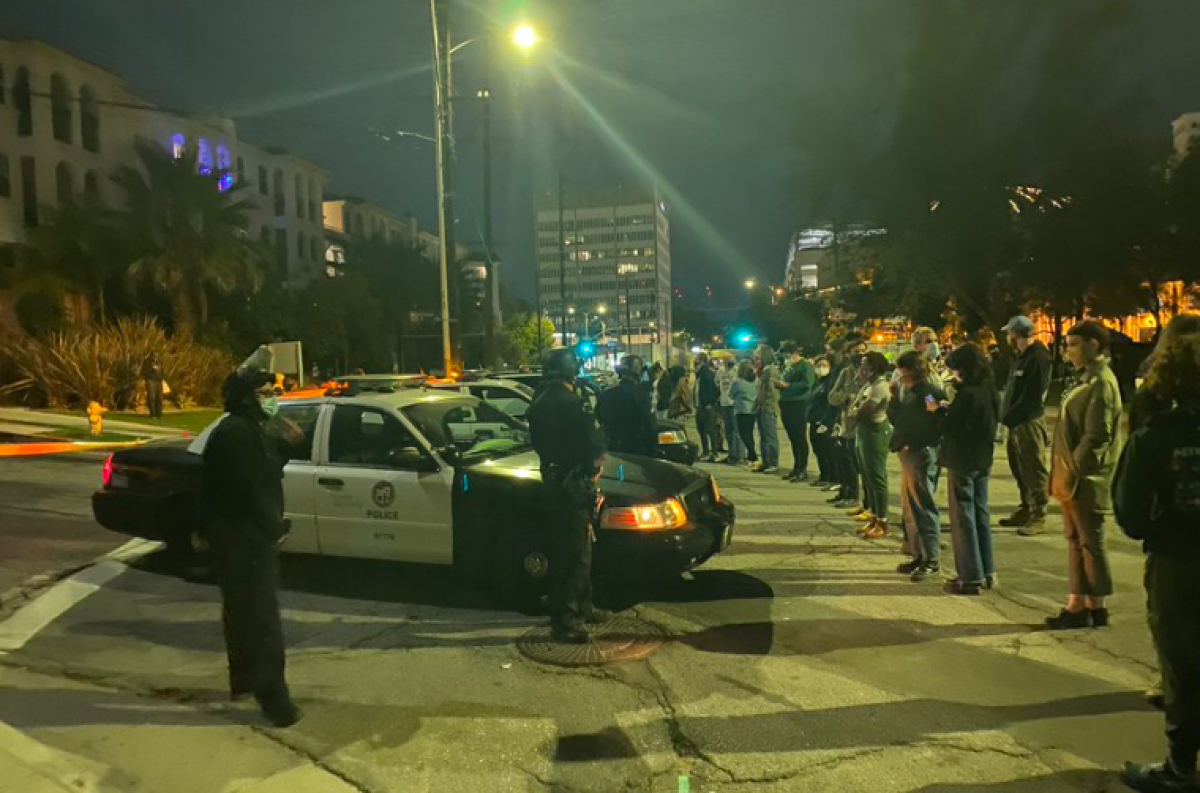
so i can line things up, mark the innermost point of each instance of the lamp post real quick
(524, 37)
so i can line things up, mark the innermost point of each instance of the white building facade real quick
(66, 126)
(604, 272)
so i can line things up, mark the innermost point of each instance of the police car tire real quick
(180, 533)
(521, 567)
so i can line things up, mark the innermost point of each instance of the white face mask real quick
(822, 371)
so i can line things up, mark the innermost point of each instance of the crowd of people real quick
(849, 408)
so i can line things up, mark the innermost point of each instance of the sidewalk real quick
(39, 422)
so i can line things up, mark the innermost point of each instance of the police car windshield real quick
(471, 426)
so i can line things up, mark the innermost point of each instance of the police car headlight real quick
(668, 514)
(671, 437)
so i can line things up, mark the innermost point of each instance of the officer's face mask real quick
(270, 406)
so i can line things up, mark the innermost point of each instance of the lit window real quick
(204, 157)
(224, 161)
(178, 146)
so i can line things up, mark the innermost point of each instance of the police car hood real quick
(624, 475)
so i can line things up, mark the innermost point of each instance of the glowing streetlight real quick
(601, 309)
(526, 37)
(571, 310)
(751, 283)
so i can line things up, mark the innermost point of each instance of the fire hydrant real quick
(95, 417)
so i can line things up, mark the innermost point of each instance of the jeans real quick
(922, 526)
(795, 424)
(1087, 559)
(745, 424)
(768, 433)
(1027, 458)
(970, 526)
(822, 446)
(708, 425)
(846, 457)
(737, 451)
(1173, 589)
(872, 446)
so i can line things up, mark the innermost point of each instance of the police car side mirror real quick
(412, 459)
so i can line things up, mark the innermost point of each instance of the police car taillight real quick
(107, 471)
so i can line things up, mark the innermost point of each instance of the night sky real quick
(701, 97)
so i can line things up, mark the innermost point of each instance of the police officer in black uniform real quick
(626, 414)
(571, 451)
(242, 514)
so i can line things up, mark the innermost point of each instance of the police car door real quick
(298, 474)
(506, 399)
(380, 493)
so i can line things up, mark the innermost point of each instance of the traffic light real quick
(585, 350)
(744, 339)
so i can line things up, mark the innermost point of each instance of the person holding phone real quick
(916, 437)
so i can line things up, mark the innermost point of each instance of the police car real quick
(432, 477)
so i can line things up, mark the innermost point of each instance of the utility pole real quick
(562, 263)
(445, 177)
(489, 311)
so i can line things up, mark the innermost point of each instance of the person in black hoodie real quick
(708, 410)
(1156, 495)
(917, 433)
(242, 513)
(625, 413)
(1022, 412)
(822, 417)
(968, 443)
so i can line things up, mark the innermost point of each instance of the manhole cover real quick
(620, 639)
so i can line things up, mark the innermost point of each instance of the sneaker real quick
(845, 502)
(835, 498)
(1159, 778)
(991, 582)
(757, 468)
(818, 483)
(864, 516)
(722, 460)
(909, 567)
(1017, 519)
(770, 469)
(967, 588)
(1069, 620)
(833, 487)
(854, 513)
(1099, 618)
(800, 477)
(925, 570)
(1033, 528)
(877, 530)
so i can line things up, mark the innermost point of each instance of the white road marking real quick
(28, 622)
(1044, 574)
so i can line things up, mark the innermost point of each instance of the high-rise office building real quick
(604, 269)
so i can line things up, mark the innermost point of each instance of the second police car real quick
(433, 477)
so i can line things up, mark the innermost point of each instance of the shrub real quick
(104, 363)
(39, 313)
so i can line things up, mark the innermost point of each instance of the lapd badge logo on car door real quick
(383, 494)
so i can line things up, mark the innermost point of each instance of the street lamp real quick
(601, 309)
(525, 37)
(751, 283)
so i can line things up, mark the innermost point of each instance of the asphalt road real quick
(46, 521)
(801, 662)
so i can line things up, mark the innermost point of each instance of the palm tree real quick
(187, 235)
(79, 251)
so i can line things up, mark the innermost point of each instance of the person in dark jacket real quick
(662, 389)
(821, 419)
(708, 410)
(241, 505)
(1022, 413)
(1156, 495)
(916, 435)
(153, 374)
(625, 412)
(795, 395)
(968, 445)
(571, 451)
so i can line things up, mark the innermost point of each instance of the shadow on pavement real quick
(1078, 779)
(819, 636)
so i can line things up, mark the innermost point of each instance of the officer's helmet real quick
(631, 367)
(560, 364)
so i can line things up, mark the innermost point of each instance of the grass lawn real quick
(192, 420)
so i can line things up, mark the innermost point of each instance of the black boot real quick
(1069, 620)
(1159, 778)
(1018, 519)
(279, 709)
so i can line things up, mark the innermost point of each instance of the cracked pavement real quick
(801, 662)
